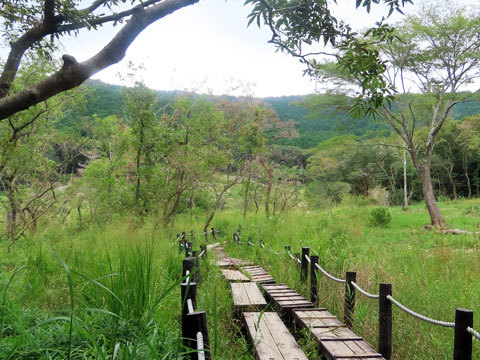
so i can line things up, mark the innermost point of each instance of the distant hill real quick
(106, 99)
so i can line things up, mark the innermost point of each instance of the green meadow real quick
(113, 291)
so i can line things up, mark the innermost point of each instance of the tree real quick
(38, 25)
(141, 115)
(436, 54)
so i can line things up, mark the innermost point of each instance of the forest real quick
(377, 173)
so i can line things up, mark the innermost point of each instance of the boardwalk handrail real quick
(474, 332)
(420, 316)
(363, 292)
(324, 272)
(194, 323)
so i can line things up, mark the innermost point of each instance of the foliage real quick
(379, 217)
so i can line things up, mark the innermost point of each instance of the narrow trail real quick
(270, 312)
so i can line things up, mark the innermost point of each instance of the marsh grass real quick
(120, 298)
(431, 273)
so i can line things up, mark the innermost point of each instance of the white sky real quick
(208, 48)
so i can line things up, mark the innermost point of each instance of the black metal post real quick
(197, 322)
(313, 280)
(304, 270)
(189, 291)
(349, 304)
(462, 343)
(213, 234)
(196, 269)
(188, 264)
(385, 321)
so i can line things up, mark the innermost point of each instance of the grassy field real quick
(112, 292)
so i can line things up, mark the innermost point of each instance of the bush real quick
(379, 217)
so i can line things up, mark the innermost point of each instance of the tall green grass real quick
(431, 273)
(112, 291)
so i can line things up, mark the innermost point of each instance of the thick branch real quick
(104, 19)
(73, 74)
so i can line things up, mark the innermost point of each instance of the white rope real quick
(187, 276)
(298, 260)
(262, 246)
(363, 292)
(200, 349)
(201, 254)
(291, 256)
(474, 332)
(419, 316)
(190, 306)
(330, 276)
(308, 259)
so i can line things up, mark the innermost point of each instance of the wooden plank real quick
(247, 295)
(234, 275)
(341, 333)
(349, 349)
(231, 262)
(271, 338)
(263, 279)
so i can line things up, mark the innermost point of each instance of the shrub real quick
(379, 217)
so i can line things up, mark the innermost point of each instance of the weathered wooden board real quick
(259, 275)
(336, 341)
(271, 338)
(232, 262)
(348, 349)
(234, 275)
(247, 295)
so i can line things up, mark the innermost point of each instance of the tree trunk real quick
(137, 187)
(12, 210)
(452, 181)
(269, 186)
(477, 181)
(245, 198)
(465, 169)
(436, 217)
(405, 192)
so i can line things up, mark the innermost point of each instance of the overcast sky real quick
(208, 48)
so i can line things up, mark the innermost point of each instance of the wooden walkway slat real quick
(286, 298)
(229, 262)
(247, 296)
(234, 275)
(259, 275)
(336, 341)
(270, 337)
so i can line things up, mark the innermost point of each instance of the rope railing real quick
(474, 332)
(329, 275)
(202, 253)
(190, 306)
(200, 348)
(291, 256)
(420, 316)
(363, 292)
(308, 259)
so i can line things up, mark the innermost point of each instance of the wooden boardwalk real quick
(247, 296)
(271, 338)
(267, 332)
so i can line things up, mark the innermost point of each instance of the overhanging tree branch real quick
(73, 74)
